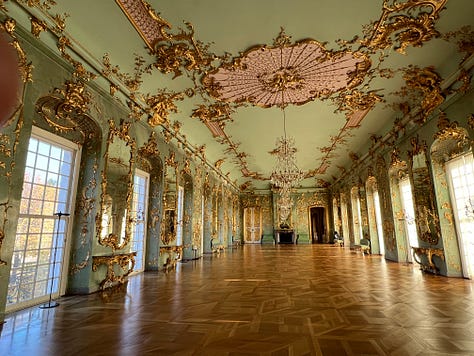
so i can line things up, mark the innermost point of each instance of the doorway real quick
(252, 225)
(318, 227)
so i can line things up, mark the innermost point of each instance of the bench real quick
(364, 246)
(216, 248)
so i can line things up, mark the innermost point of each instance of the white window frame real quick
(48, 137)
(467, 264)
(146, 177)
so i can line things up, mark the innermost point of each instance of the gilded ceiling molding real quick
(214, 117)
(132, 82)
(428, 82)
(286, 73)
(464, 38)
(160, 106)
(37, 26)
(450, 131)
(354, 102)
(173, 52)
(404, 23)
(80, 72)
(44, 5)
(421, 84)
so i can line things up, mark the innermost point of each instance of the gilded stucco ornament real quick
(25, 67)
(451, 131)
(150, 149)
(37, 26)
(160, 106)
(421, 84)
(125, 261)
(404, 23)
(464, 38)
(67, 109)
(470, 121)
(276, 76)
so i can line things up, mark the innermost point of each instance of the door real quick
(252, 225)
(318, 227)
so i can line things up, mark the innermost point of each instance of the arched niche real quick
(149, 160)
(345, 220)
(186, 181)
(426, 212)
(450, 141)
(383, 185)
(398, 171)
(356, 215)
(371, 189)
(336, 211)
(208, 214)
(69, 116)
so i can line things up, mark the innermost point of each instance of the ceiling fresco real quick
(214, 76)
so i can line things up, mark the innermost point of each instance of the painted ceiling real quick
(220, 76)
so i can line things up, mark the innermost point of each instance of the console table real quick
(285, 236)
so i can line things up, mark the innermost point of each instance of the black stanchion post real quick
(54, 304)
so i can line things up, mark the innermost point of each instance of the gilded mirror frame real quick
(169, 223)
(112, 239)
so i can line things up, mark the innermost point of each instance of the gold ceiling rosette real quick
(287, 73)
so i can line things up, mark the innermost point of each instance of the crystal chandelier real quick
(286, 173)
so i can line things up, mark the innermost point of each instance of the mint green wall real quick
(50, 72)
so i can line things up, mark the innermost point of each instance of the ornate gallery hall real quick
(260, 300)
(211, 177)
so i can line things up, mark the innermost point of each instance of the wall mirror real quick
(170, 192)
(113, 220)
(423, 195)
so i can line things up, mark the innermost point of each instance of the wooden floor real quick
(260, 300)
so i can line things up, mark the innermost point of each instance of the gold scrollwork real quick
(451, 131)
(160, 106)
(398, 28)
(125, 261)
(37, 26)
(25, 68)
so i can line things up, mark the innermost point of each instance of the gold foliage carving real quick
(160, 106)
(464, 38)
(450, 131)
(404, 23)
(470, 121)
(37, 26)
(422, 83)
(150, 149)
(25, 68)
(125, 261)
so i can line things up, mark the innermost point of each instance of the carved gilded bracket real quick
(125, 261)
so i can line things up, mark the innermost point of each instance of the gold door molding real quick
(252, 225)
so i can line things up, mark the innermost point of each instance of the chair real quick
(365, 246)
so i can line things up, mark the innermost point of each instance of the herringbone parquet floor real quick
(260, 300)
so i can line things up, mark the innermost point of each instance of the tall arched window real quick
(42, 237)
(461, 183)
(407, 204)
(378, 219)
